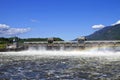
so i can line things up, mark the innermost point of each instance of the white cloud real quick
(118, 22)
(6, 30)
(100, 26)
(14, 31)
(3, 26)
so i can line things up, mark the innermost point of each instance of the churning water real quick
(90, 64)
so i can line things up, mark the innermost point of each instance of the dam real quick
(81, 44)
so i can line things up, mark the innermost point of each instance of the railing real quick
(74, 42)
(104, 41)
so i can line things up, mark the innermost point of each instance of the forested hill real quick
(10, 40)
(107, 33)
(43, 39)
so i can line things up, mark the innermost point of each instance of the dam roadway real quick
(73, 44)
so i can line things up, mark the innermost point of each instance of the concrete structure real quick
(50, 40)
(73, 44)
(81, 39)
(14, 46)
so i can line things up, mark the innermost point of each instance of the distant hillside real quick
(43, 39)
(107, 33)
(10, 40)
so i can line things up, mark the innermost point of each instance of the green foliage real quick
(2, 46)
(10, 40)
(35, 39)
(58, 39)
(41, 39)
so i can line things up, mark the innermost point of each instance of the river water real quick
(92, 64)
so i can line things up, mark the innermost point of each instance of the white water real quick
(97, 63)
(75, 53)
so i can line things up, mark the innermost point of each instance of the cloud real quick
(118, 22)
(100, 26)
(6, 30)
(3, 26)
(34, 20)
(14, 31)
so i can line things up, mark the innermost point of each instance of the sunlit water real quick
(90, 64)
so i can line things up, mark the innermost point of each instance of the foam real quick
(94, 52)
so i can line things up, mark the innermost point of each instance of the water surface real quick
(60, 65)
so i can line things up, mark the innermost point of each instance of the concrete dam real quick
(73, 45)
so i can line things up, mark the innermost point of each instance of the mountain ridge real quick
(106, 33)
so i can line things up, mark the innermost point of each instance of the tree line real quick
(21, 40)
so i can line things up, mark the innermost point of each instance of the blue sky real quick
(67, 19)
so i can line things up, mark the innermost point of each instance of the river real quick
(92, 64)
